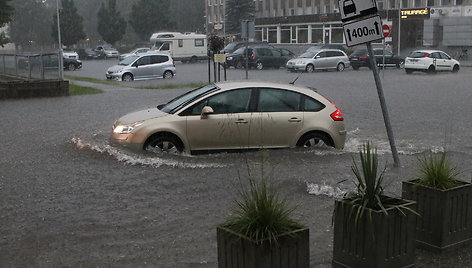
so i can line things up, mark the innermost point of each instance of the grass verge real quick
(91, 80)
(75, 90)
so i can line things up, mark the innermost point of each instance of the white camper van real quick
(185, 47)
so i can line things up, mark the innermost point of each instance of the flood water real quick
(69, 199)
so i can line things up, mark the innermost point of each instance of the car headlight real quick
(126, 128)
(229, 58)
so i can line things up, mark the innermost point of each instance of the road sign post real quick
(362, 24)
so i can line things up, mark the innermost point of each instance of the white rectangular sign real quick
(352, 9)
(363, 31)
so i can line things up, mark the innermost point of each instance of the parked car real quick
(360, 58)
(109, 51)
(143, 66)
(88, 53)
(69, 54)
(231, 47)
(30, 60)
(323, 59)
(234, 115)
(259, 57)
(430, 61)
(72, 64)
(134, 52)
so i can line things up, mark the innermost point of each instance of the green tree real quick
(149, 16)
(236, 11)
(30, 25)
(72, 29)
(5, 15)
(111, 25)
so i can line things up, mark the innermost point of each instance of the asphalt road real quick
(69, 199)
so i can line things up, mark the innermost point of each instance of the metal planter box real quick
(385, 241)
(445, 221)
(237, 251)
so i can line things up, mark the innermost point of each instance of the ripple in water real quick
(132, 159)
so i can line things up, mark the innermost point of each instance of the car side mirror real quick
(317, 57)
(206, 111)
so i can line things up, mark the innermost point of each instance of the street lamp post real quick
(61, 67)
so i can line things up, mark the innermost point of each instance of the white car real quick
(322, 59)
(69, 54)
(143, 66)
(134, 52)
(430, 61)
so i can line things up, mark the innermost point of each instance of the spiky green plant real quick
(261, 214)
(436, 172)
(369, 190)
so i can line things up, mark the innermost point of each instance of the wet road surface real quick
(69, 199)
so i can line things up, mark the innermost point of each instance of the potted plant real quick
(370, 228)
(444, 203)
(261, 232)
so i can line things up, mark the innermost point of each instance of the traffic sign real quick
(386, 30)
(353, 9)
(363, 31)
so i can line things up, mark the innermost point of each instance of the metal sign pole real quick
(383, 105)
(247, 48)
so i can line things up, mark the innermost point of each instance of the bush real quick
(436, 172)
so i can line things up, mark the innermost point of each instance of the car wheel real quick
(340, 67)
(168, 75)
(408, 71)
(431, 70)
(239, 65)
(127, 77)
(455, 69)
(400, 64)
(315, 140)
(310, 68)
(259, 65)
(355, 67)
(71, 67)
(164, 143)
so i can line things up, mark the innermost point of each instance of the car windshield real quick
(186, 98)
(239, 50)
(128, 60)
(309, 54)
(230, 47)
(418, 54)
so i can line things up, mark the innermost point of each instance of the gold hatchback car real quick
(234, 116)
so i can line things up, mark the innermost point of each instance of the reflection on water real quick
(326, 190)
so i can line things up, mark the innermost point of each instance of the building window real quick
(181, 42)
(445, 2)
(418, 3)
(380, 4)
(317, 35)
(337, 35)
(430, 3)
(272, 35)
(210, 3)
(303, 34)
(199, 42)
(285, 34)
(404, 3)
(393, 4)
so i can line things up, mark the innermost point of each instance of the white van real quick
(185, 47)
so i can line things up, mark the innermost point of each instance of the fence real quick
(31, 66)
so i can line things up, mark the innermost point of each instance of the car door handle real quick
(294, 119)
(241, 121)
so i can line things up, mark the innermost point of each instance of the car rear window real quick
(418, 54)
(359, 52)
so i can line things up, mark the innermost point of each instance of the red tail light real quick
(173, 63)
(426, 55)
(337, 115)
(252, 55)
(363, 57)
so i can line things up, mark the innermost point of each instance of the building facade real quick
(422, 23)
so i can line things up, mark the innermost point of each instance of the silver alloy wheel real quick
(340, 67)
(315, 142)
(259, 65)
(71, 67)
(127, 77)
(168, 75)
(310, 68)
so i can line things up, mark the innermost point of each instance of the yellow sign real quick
(415, 13)
(220, 58)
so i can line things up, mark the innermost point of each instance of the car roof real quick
(251, 84)
(427, 50)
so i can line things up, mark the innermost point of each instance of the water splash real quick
(132, 159)
(326, 190)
